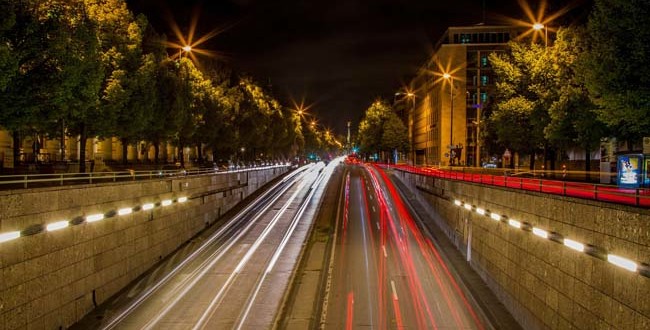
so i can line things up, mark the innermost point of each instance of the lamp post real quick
(410, 120)
(538, 27)
(449, 77)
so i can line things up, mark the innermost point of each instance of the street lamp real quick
(410, 117)
(538, 27)
(186, 49)
(449, 77)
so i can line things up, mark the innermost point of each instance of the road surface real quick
(236, 277)
(386, 273)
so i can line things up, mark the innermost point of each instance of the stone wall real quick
(51, 279)
(545, 284)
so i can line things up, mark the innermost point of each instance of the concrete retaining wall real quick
(543, 283)
(52, 279)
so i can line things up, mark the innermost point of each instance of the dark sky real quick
(337, 55)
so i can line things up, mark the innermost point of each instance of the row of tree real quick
(593, 82)
(90, 68)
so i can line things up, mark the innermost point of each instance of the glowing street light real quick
(538, 27)
(187, 49)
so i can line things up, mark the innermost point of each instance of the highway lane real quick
(386, 273)
(236, 278)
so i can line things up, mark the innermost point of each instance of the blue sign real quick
(629, 168)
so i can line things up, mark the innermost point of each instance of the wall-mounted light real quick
(125, 211)
(95, 217)
(57, 225)
(574, 245)
(540, 232)
(8, 236)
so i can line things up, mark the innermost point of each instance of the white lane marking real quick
(378, 228)
(392, 284)
(285, 239)
(149, 292)
(216, 300)
(373, 209)
(384, 248)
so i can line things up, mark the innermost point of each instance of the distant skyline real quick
(339, 55)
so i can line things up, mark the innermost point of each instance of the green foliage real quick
(542, 100)
(381, 130)
(573, 116)
(55, 47)
(8, 62)
(395, 136)
(617, 67)
(93, 67)
(523, 87)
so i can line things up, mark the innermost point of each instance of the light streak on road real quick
(396, 254)
(194, 292)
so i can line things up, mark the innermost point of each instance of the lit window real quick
(484, 97)
(484, 80)
(484, 60)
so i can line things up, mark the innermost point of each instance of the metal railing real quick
(62, 179)
(607, 193)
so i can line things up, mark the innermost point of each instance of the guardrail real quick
(607, 193)
(61, 179)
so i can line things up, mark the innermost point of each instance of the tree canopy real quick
(90, 68)
(617, 66)
(382, 130)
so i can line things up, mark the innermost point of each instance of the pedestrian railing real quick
(63, 179)
(606, 193)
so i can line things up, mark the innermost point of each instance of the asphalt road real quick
(233, 278)
(386, 273)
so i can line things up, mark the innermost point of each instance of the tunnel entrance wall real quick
(544, 284)
(52, 279)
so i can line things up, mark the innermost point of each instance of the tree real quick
(542, 100)
(253, 112)
(120, 38)
(55, 47)
(617, 67)
(395, 136)
(573, 116)
(381, 130)
(524, 89)
(8, 61)
(165, 124)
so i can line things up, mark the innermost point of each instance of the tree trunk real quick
(199, 153)
(62, 140)
(532, 161)
(16, 140)
(587, 164)
(156, 148)
(125, 152)
(181, 155)
(82, 148)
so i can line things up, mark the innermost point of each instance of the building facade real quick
(450, 92)
(44, 150)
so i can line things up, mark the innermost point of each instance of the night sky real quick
(336, 55)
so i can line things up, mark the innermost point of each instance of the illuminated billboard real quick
(630, 168)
